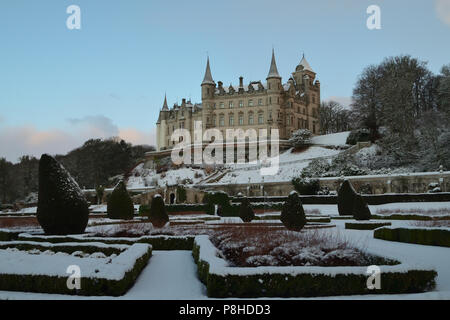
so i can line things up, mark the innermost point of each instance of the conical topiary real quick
(158, 214)
(62, 207)
(245, 211)
(346, 195)
(360, 209)
(292, 214)
(120, 205)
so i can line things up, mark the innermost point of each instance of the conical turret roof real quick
(208, 79)
(273, 71)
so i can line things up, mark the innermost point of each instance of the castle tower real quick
(208, 90)
(161, 126)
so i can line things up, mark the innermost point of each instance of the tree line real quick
(91, 165)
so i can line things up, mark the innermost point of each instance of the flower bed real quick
(222, 280)
(365, 225)
(46, 272)
(419, 235)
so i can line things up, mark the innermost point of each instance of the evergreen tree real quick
(245, 211)
(158, 214)
(360, 208)
(62, 208)
(346, 196)
(292, 214)
(120, 205)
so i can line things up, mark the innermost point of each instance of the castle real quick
(273, 104)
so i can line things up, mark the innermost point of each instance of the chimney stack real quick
(241, 82)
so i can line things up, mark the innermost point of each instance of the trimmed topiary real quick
(345, 199)
(120, 205)
(62, 207)
(245, 211)
(158, 214)
(292, 215)
(219, 198)
(360, 209)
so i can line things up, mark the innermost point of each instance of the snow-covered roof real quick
(305, 64)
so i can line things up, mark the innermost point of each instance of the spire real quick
(305, 64)
(273, 72)
(208, 77)
(165, 106)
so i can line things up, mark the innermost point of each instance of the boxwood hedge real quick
(425, 236)
(287, 284)
(365, 226)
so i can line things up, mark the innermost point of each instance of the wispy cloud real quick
(442, 8)
(16, 141)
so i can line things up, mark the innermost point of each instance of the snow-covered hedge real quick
(111, 276)
(222, 280)
(159, 242)
(365, 225)
(418, 235)
(7, 235)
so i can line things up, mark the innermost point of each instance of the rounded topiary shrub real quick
(120, 205)
(292, 214)
(158, 214)
(360, 209)
(345, 199)
(62, 208)
(245, 211)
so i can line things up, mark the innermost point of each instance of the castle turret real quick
(161, 126)
(208, 84)
(273, 78)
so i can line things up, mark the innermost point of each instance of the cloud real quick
(442, 8)
(138, 137)
(344, 101)
(16, 141)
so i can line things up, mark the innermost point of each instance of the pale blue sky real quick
(59, 86)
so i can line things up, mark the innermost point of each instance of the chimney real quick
(241, 82)
(183, 102)
(220, 83)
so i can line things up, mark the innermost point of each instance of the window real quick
(270, 100)
(260, 102)
(241, 119)
(250, 103)
(241, 103)
(250, 118)
(222, 105)
(231, 120)
(260, 118)
(214, 120)
(270, 114)
(288, 120)
(221, 120)
(313, 98)
(230, 104)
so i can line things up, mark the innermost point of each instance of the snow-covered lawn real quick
(333, 139)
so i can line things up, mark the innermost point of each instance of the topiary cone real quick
(360, 209)
(158, 214)
(345, 198)
(245, 211)
(120, 205)
(292, 214)
(62, 207)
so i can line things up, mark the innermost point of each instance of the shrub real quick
(292, 215)
(300, 138)
(62, 208)
(346, 195)
(358, 135)
(245, 211)
(360, 209)
(120, 205)
(181, 194)
(306, 186)
(426, 236)
(158, 214)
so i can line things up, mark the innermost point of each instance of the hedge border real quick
(395, 216)
(365, 226)
(161, 242)
(9, 235)
(424, 236)
(225, 282)
(89, 286)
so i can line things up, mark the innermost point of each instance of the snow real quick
(20, 262)
(291, 165)
(142, 177)
(334, 139)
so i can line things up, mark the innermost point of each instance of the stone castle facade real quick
(257, 105)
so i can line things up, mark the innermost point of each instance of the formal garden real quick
(238, 247)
